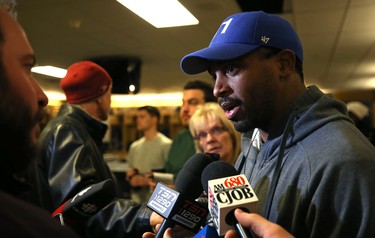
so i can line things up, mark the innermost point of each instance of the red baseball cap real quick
(85, 81)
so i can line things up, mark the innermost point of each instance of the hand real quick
(155, 220)
(177, 231)
(261, 227)
(138, 180)
(167, 234)
(131, 172)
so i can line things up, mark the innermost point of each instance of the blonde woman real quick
(214, 133)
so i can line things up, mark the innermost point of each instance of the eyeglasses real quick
(215, 131)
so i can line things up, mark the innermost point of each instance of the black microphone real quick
(85, 204)
(178, 207)
(227, 190)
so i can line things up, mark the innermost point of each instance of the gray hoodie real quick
(325, 179)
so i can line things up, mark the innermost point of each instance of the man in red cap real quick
(70, 158)
(87, 85)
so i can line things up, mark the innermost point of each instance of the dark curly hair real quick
(207, 89)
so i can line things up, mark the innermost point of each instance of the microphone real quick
(178, 207)
(227, 190)
(85, 204)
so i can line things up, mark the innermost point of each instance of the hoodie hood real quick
(309, 112)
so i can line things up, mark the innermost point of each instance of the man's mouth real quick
(186, 116)
(230, 114)
(229, 109)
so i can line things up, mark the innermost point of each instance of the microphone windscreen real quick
(188, 179)
(215, 170)
(189, 185)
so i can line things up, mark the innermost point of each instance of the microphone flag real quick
(225, 195)
(174, 206)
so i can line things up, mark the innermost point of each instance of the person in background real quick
(70, 157)
(148, 153)
(360, 114)
(21, 109)
(195, 93)
(214, 133)
(314, 172)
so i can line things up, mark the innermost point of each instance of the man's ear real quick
(287, 62)
(155, 120)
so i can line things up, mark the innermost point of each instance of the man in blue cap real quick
(313, 171)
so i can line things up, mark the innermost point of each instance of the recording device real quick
(227, 190)
(86, 203)
(178, 207)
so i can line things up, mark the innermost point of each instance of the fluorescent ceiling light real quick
(50, 71)
(139, 100)
(128, 101)
(161, 13)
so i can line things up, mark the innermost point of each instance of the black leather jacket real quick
(69, 161)
(22, 219)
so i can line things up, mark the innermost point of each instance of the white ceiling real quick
(338, 38)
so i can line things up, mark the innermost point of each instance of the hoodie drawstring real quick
(277, 171)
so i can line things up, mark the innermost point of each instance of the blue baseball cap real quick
(240, 34)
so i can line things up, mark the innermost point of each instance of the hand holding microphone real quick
(261, 227)
(178, 206)
(85, 204)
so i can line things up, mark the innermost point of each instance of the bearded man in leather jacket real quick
(70, 158)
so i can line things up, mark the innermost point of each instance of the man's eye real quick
(229, 70)
(28, 66)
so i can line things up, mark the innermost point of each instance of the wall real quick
(365, 96)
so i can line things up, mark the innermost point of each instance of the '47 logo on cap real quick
(264, 39)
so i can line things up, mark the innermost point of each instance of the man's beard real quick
(258, 105)
(257, 116)
(243, 126)
(254, 118)
(102, 114)
(16, 122)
